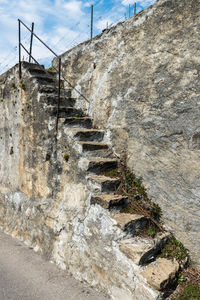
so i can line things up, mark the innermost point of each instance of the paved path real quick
(25, 275)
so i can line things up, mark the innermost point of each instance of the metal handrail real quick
(30, 56)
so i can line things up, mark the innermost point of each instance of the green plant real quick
(22, 85)
(66, 156)
(10, 134)
(174, 249)
(13, 85)
(50, 69)
(190, 292)
(1, 100)
(180, 278)
(151, 233)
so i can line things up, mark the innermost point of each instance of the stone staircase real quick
(95, 159)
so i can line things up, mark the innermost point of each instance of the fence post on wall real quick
(135, 8)
(19, 36)
(129, 10)
(31, 42)
(92, 10)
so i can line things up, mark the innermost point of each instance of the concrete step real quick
(88, 134)
(32, 66)
(82, 122)
(64, 112)
(144, 250)
(52, 99)
(44, 79)
(109, 201)
(161, 273)
(100, 165)
(49, 89)
(92, 146)
(131, 223)
(102, 184)
(38, 71)
(95, 149)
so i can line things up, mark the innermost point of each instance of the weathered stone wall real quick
(44, 200)
(142, 81)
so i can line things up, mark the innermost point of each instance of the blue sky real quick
(62, 24)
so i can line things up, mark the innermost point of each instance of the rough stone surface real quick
(44, 199)
(158, 273)
(145, 93)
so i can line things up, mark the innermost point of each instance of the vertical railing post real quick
(129, 12)
(31, 42)
(59, 88)
(92, 13)
(19, 36)
(135, 8)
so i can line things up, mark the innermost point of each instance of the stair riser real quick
(68, 102)
(64, 112)
(89, 136)
(135, 227)
(99, 168)
(52, 90)
(113, 204)
(105, 187)
(78, 123)
(44, 81)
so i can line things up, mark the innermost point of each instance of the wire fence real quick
(92, 24)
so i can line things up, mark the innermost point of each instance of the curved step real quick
(161, 273)
(131, 223)
(102, 184)
(144, 250)
(109, 201)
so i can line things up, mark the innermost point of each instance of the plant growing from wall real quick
(66, 157)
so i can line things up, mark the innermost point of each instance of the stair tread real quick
(75, 130)
(102, 178)
(109, 201)
(102, 159)
(141, 250)
(92, 143)
(109, 197)
(160, 273)
(123, 219)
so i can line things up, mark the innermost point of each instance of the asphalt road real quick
(25, 275)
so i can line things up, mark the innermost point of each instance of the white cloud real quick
(143, 3)
(73, 7)
(102, 24)
(60, 23)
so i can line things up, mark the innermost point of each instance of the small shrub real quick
(174, 249)
(22, 85)
(66, 157)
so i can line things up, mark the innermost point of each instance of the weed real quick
(66, 157)
(189, 292)
(174, 249)
(181, 278)
(13, 85)
(1, 100)
(50, 69)
(22, 85)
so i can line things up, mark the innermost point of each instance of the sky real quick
(62, 24)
